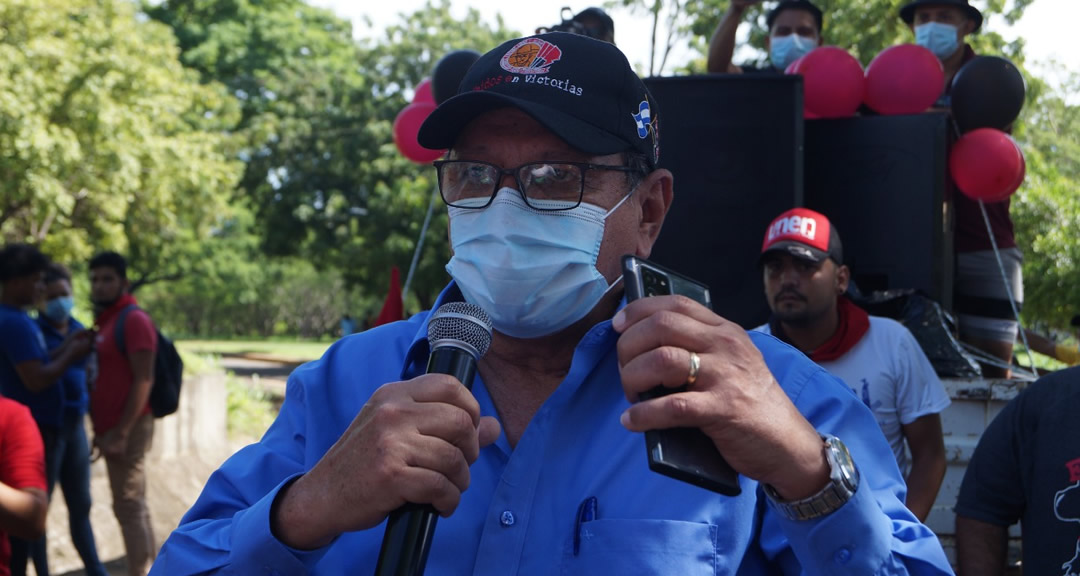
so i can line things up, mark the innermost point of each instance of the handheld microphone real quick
(458, 334)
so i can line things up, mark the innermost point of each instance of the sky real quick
(1046, 25)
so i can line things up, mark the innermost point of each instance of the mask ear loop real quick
(620, 203)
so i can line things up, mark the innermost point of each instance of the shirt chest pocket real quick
(642, 547)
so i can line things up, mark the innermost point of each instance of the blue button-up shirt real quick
(21, 341)
(521, 515)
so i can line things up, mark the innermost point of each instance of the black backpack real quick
(168, 369)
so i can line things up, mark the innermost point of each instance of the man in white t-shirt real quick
(805, 282)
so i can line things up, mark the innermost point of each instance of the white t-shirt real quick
(890, 373)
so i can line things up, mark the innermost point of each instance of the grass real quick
(288, 350)
(250, 409)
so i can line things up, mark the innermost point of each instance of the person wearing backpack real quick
(120, 402)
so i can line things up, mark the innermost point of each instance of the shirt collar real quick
(416, 357)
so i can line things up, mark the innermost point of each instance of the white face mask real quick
(533, 271)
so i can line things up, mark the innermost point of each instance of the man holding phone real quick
(802, 260)
(551, 178)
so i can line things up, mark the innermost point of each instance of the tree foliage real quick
(106, 141)
(322, 175)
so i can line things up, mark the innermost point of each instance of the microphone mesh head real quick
(457, 323)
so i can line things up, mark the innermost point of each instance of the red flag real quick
(393, 309)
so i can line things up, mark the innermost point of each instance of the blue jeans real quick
(67, 460)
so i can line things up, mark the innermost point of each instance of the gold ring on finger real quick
(695, 365)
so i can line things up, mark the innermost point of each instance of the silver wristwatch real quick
(843, 481)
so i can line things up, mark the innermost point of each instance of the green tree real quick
(1046, 210)
(106, 141)
(322, 175)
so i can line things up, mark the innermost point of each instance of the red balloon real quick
(423, 92)
(904, 79)
(833, 82)
(407, 126)
(793, 68)
(987, 165)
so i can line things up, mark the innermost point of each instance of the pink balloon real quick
(833, 82)
(407, 126)
(423, 92)
(904, 79)
(986, 164)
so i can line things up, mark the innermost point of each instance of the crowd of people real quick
(830, 416)
(54, 371)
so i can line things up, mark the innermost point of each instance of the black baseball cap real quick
(907, 12)
(795, 5)
(804, 234)
(581, 89)
(1076, 321)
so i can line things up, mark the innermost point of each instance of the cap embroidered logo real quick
(642, 119)
(531, 56)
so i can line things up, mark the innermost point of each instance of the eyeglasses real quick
(544, 185)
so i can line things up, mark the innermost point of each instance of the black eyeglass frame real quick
(583, 167)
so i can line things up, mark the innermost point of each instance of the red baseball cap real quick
(804, 234)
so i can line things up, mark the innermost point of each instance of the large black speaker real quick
(734, 145)
(883, 181)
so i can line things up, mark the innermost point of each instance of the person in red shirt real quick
(985, 314)
(119, 403)
(23, 503)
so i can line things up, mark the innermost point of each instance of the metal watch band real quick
(843, 481)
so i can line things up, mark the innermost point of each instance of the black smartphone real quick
(685, 454)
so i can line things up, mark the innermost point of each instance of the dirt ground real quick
(172, 487)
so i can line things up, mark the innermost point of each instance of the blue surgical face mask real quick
(534, 272)
(59, 309)
(783, 50)
(938, 38)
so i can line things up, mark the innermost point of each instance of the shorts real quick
(980, 299)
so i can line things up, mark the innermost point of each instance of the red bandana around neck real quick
(853, 324)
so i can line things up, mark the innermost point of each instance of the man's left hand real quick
(734, 399)
(113, 444)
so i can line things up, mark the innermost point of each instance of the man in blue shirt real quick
(551, 177)
(28, 371)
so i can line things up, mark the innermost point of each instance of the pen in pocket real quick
(586, 512)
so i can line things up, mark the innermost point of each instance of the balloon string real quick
(1008, 289)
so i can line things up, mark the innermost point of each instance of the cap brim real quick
(795, 249)
(907, 14)
(441, 129)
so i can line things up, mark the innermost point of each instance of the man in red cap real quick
(878, 358)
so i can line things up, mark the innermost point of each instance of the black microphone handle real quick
(409, 529)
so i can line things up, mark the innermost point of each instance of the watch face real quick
(848, 473)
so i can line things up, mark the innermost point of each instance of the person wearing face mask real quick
(981, 301)
(67, 453)
(550, 178)
(29, 372)
(795, 28)
(805, 281)
(940, 26)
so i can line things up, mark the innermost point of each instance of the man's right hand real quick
(412, 442)
(81, 343)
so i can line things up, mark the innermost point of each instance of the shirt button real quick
(507, 518)
(843, 556)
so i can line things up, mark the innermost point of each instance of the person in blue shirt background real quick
(29, 373)
(67, 456)
(551, 177)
